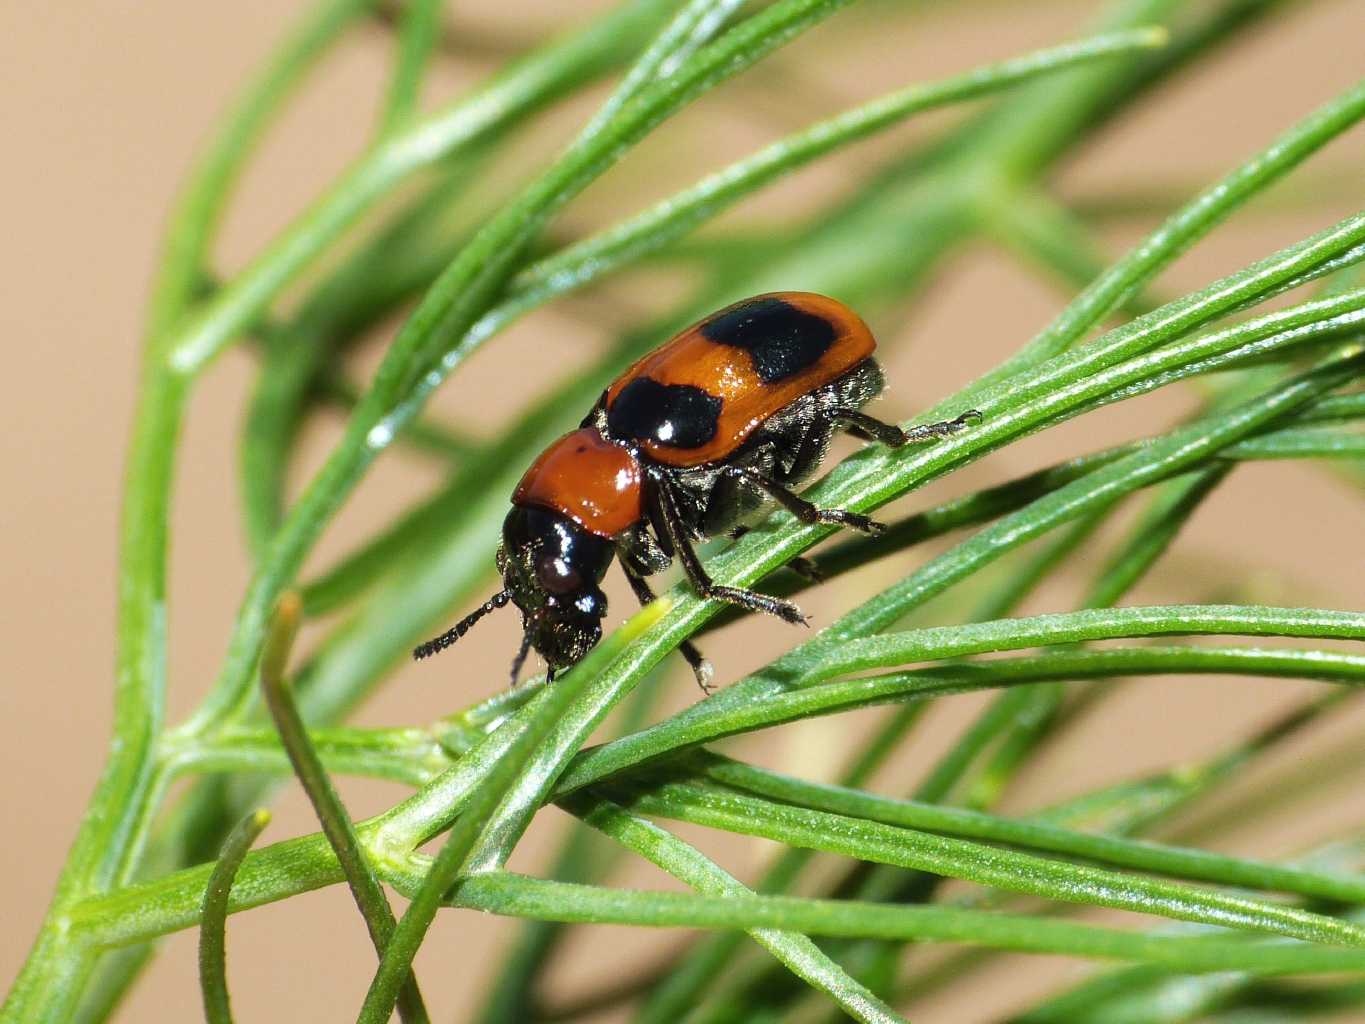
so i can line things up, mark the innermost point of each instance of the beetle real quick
(691, 440)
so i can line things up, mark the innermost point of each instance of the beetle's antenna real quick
(440, 643)
(522, 651)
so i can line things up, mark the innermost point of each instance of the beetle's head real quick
(551, 568)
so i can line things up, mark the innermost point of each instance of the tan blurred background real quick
(104, 105)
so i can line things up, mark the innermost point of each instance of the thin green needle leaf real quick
(856, 655)
(213, 926)
(199, 209)
(410, 756)
(1047, 234)
(1126, 277)
(692, 27)
(1303, 444)
(505, 893)
(685, 210)
(1042, 713)
(696, 973)
(1147, 995)
(420, 24)
(987, 865)
(422, 435)
(797, 952)
(1335, 407)
(715, 719)
(528, 84)
(336, 823)
(1143, 856)
(515, 994)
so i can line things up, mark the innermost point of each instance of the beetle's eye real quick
(557, 576)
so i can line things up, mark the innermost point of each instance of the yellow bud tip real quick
(1155, 36)
(290, 607)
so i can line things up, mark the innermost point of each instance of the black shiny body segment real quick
(676, 415)
(782, 340)
(553, 568)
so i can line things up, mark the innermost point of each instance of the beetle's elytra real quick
(697, 435)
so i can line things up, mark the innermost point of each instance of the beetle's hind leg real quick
(665, 513)
(869, 428)
(701, 668)
(800, 507)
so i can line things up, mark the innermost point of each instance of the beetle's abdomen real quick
(595, 483)
(697, 398)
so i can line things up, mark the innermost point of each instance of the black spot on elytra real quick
(781, 340)
(676, 415)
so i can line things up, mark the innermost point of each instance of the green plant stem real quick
(454, 859)
(112, 829)
(336, 823)
(140, 912)
(213, 924)
(410, 756)
(515, 994)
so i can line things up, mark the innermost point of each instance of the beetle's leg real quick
(859, 424)
(799, 564)
(800, 507)
(660, 496)
(701, 668)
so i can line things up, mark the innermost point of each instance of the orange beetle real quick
(685, 444)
